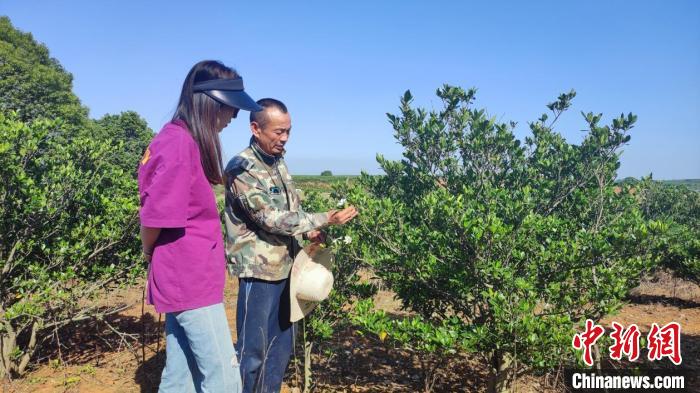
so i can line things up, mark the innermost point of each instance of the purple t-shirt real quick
(188, 267)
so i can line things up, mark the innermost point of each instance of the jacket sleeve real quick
(257, 204)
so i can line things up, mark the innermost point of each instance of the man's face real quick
(273, 134)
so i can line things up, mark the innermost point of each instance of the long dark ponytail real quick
(200, 111)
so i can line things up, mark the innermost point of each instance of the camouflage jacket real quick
(264, 218)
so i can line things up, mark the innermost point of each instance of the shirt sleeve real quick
(258, 206)
(164, 184)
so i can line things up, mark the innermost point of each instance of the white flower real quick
(347, 239)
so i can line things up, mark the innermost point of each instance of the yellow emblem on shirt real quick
(146, 156)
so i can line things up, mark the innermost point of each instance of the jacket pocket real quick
(271, 256)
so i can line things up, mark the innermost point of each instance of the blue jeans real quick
(265, 335)
(199, 352)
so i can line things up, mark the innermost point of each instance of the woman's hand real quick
(148, 241)
(147, 255)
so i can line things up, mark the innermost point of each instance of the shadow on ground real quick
(662, 299)
(148, 373)
(364, 364)
(83, 342)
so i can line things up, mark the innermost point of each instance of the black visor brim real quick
(237, 99)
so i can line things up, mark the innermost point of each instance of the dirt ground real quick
(93, 358)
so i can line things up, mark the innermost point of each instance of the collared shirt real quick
(187, 270)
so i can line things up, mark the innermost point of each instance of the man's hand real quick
(340, 217)
(316, 236)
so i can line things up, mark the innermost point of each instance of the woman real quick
(181, 231)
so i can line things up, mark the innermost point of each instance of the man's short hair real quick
(261, 117)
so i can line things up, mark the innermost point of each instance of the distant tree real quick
(326, 173)
(130, 134)
(34, 84)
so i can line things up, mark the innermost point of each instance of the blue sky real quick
(340, 66)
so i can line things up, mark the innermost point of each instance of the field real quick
(693, 184)
(324, 183)
(319, 183)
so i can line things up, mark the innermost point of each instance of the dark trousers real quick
(265, 335)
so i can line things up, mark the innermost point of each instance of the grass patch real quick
(693, 184)
(320, 183)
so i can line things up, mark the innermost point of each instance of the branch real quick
(86, 314)
(31, 346)
(8, 262)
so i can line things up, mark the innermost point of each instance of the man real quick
(264, 224)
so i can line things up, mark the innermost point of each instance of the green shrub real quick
(69, 222)
(505, 245)
(68, 200)
(679, 208)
